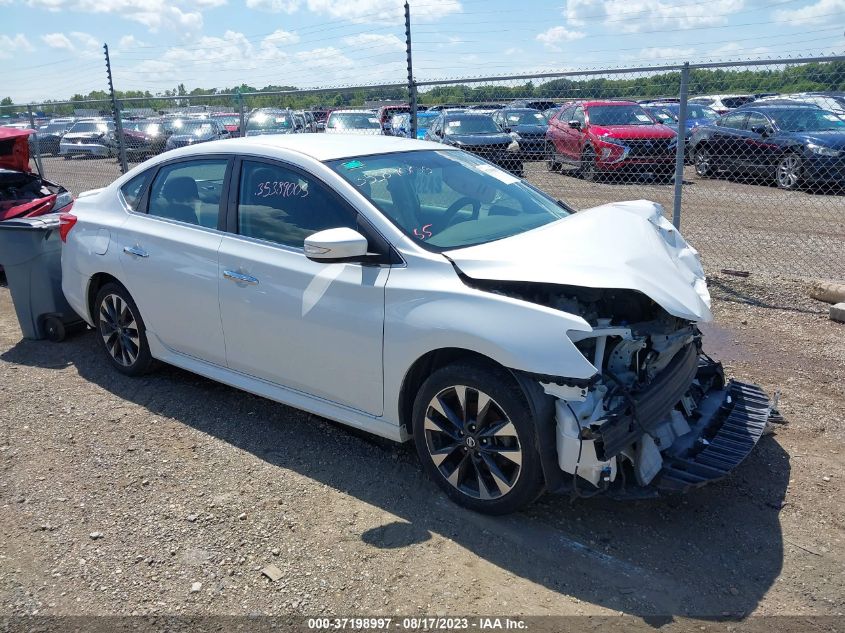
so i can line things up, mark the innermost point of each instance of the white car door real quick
(168, 251)
(313, 327)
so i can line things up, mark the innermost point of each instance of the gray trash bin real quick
(31, 256)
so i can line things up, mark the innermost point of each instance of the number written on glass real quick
(283, 189)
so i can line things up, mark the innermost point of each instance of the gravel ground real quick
(736, 225)
(170, 493)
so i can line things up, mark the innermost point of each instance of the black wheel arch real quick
(540, 404)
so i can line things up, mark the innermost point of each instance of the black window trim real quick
(386, 255)
(144, 204)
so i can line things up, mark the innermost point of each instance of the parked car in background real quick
(669, 112)
(831, 101)
(386, 113)
(790, 145)
(480, 134)
(145, 138)
(487, 107)
(191, 131)
(400, 124)
(24, 193)
(320, 116)
(300, 125)
(610, 137)
(534, 104)
(230, 120)
(270, 121)
(529, 127)
(419, 293)
(310, 121)
(50, 135)
(353, 122)
(89, 138)
(722, 103)
(445, 106)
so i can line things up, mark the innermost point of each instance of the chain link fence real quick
(747, 157)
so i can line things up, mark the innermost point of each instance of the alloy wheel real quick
(789, 172)
(588, 166)
(702, 162)
(119, 330)
(472, 442)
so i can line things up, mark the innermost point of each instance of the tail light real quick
(66, 222)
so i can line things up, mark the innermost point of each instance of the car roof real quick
(778, 104)
(320, 147)
(603, 102)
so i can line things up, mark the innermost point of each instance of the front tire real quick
(475, 438)
(121, 330)
(587, 167)
(551, 163)
(703, 161)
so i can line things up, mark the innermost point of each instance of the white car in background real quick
(722, 103)
(418, 292)
(353, 122)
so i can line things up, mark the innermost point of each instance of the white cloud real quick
(274, 6)
(58, 40)
(11, 45)
(633, 16)
(665, 53)
(130, 41)
(179, 15)
(820, 12)
(735, 50)
(553, 37)
(375, 41)
(384, 10)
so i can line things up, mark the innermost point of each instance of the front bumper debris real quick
(731, 423)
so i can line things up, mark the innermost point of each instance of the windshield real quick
(228, 119)
(694, 111)
(472, 125)
(193, 128)
(525, 118)
(54, 127)
(619, 115)
(147, 127)
(352, 121)
(267, 121)
(448, 199)
(90, 126)
(806, 120)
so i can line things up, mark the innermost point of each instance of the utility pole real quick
(115, 112)
(412, 86)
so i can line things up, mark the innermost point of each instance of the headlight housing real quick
(513, 147)
(823, 151)
(515, 136)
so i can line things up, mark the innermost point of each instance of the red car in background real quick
(24, 194)
(230, 120)
(617, 137)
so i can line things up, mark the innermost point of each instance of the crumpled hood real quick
(14, 149)
(624, 245)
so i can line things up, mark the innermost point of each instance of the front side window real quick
(578, 115)
(448, 199)
(281, 205)
(734, 121)
(133, 190)
(189, 191)
(756, 121)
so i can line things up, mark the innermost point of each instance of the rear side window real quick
(189, 191)
(734, 121)
(281, 205)
(133, 190)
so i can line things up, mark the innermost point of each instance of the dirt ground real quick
(119, 494)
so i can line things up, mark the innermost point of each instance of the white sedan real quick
(418, 292)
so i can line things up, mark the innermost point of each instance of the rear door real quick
(309, 326)
(168, 251)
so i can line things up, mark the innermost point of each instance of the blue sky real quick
(52, 48)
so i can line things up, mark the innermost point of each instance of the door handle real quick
(135, 250)
(240, 277)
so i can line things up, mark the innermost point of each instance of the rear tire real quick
(476, 439)
(121, 330)
(703, 161)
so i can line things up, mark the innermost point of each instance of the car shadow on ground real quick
(713, 555)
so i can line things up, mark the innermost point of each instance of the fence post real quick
(412, 86)
(681, 147)
(115, 110)
(242, 123)
(37, 143)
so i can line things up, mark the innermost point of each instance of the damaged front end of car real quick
(658, 417)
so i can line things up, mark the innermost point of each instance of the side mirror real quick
(335, 245)
(575, 125)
